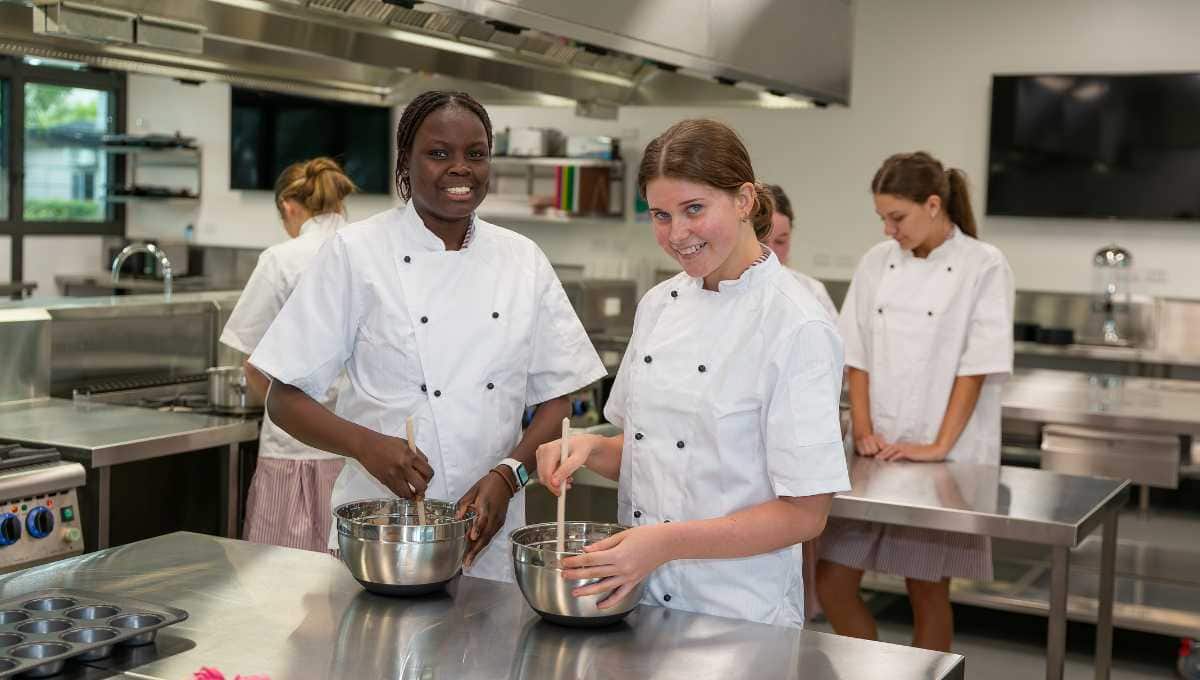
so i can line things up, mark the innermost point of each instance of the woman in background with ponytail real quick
(728, 397)
(288, 504)
(927, 326)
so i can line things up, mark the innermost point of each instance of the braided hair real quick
(415, 113)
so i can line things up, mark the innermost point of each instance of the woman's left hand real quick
(489, 499)
(621, 562)
(922, 453)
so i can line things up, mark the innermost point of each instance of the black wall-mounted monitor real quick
(1095, 146)
(271, 131)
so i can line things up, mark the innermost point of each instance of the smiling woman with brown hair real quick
(438, 315)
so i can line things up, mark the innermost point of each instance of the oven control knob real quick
(10, 529)
(39, 522)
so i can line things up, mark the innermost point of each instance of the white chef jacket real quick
(818, 290)
(728, 399)
(915, 324)
(460, 340)
(272, 281)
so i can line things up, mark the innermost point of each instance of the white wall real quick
(224, 216)
(5, 258)
(48, 256)
(922, 71)
(922, 74)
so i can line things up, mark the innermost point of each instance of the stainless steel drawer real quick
(1149, 459)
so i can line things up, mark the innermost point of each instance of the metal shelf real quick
(148, 199)
(501, 218)
(556, 161)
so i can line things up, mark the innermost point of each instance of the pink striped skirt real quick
(911, 552)
(289, 502)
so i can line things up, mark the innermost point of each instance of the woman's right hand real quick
(403, 469)
(551, 473)
(869, 444)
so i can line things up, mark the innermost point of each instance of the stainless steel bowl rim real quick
(520, 547)
(348, 515)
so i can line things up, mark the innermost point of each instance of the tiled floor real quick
(1002, 646)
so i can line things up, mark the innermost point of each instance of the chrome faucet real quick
(164, 263)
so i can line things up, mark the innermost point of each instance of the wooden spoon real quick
(412, 443)
(562, 493)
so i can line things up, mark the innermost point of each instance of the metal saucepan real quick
(390, 552)
(536, 563)
(229, 392)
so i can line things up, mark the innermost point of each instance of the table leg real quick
(232, 491)
(1104, 614)
(1056, 635)
(103, 508)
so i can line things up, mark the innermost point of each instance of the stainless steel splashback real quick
(97, 344)
(24, 354)
(1084, 315)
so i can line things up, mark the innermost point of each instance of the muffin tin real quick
(41, 631)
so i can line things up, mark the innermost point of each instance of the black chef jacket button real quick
(638, 436)
(637, 514)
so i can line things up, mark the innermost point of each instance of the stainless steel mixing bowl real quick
(390, 552)
(536, 563)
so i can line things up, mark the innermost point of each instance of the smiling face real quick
(911, 224)
(699, 225)
(449, 165)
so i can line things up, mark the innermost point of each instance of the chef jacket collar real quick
(324, 221)
(946, 249)
(416, 236)
(753, 276)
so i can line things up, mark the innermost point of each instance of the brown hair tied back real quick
(319, 185)
(917, 176)
(706, 152)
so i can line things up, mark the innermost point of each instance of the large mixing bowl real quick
(536, 562)
(390, 552)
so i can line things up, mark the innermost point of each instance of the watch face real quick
(522, 475)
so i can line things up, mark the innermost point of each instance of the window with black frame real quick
(56, 176)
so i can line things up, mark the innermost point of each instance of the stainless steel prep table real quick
(258, 609)
(1122, 403)
(1018, 504)
(102, 435)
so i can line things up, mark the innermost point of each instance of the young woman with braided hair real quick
(438, 315)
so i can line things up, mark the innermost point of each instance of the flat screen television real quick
(1095, 146)
(271, 131)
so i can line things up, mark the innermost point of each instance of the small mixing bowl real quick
(390, 552)
(536, 563)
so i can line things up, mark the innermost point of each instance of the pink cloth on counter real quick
(207, 673)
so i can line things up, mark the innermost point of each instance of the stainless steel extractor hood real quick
(595, 56)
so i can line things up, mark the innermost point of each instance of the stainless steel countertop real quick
(1105, 353)
(1021, 504)
(1111, 402)
(258, 609)
(100, 435)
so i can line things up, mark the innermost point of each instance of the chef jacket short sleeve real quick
(802, 430)
(313, 335)
(260, 302)
(854, 323)
(989, 347)
(563, 359)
